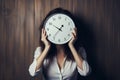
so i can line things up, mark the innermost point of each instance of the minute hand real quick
(57, 28)
(61, 27)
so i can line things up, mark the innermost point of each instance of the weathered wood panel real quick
(99, 22)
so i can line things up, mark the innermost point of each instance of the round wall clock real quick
(59, 27)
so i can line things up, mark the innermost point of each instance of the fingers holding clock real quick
(74, 33)
(44, 33)
(74, 36)
(44, 37)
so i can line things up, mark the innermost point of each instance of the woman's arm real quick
(82, 65)
(77, 57)
(41, 58)
(47, 44)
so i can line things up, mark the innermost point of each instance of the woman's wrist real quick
(47, 46)
(70, 44)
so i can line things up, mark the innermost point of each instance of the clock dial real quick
(59, 27)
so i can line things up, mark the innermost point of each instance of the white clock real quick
(59, 27)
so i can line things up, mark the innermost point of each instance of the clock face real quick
(59, 28)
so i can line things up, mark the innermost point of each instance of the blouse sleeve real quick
(85, 66)
(32, 67)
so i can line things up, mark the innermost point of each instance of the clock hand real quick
(57, 28)
(56, 33)
(61, 26)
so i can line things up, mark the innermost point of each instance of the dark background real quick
(99, 27)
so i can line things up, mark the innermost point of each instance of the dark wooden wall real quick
(100, 33)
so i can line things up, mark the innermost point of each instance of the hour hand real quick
(57, 28)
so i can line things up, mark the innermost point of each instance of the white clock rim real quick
(47, 34)
(60, 42)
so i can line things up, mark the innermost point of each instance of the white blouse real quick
(51, 70)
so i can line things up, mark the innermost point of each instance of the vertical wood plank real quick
(2, 40)
(99, 23)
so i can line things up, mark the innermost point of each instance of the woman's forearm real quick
(41, 58)
(77, 57)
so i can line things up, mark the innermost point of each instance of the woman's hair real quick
(52, 51)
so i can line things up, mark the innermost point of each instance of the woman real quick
(59, 62)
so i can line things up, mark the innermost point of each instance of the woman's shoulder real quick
(38, 48)
(37, 51)
(83, 53)
(81, 49)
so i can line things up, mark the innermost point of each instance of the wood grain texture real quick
(98, 25)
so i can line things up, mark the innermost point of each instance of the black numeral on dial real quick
(50, 23)
(65, 19)
(53, 38)
(70, 29)
(68, 23)
(59, 17)
(49, 35)
(54, 19)
(59, 40)
(68, 34)
(65, 39)
(47, 29)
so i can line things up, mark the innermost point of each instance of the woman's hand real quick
(74, 37)
(47, 44)
(44, 38)
(78, 59)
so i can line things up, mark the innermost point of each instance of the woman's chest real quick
(52, 69)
